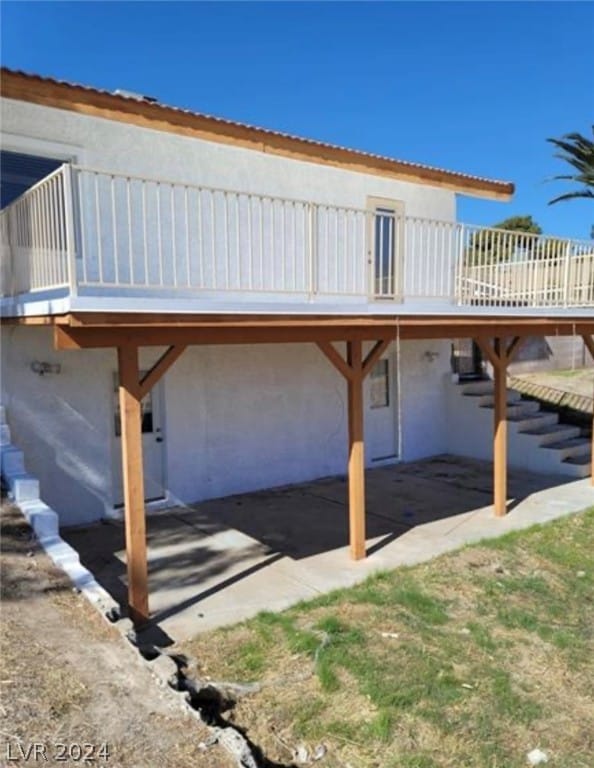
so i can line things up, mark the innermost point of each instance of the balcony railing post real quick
(9, 283)
(459, 266)
(312, 249)
(69, 227)
(370, 269)
(566, 285)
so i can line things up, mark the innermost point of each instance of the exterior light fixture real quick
(430, 355)
(41, 368)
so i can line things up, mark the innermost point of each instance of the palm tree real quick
(578, 151)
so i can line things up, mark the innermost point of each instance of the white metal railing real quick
(115, 234)
(502, 268)
(152, 234)
(37, 237)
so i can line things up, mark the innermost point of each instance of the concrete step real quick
(571, 447)
(523, 408)
(532, 421)
(530, 406)
(547, 434)
(477, 388)
(4, 434)
(484, 398)
(13, 461)
(23, 487)
(578, 466)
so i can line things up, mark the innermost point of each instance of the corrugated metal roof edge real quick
(499, 188)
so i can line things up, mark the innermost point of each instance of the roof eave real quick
(53, 93)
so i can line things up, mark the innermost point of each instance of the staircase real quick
(22, 487)
(536, 440)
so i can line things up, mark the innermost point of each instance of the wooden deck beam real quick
(491, 325)
(246, 329)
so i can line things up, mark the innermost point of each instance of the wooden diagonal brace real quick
(489, 352)
(513, 348)
(162, 365)
(378, 350)
(335, 358)
(589, 342)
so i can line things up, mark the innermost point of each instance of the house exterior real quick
(139, 238)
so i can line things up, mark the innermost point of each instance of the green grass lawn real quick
(473, 659)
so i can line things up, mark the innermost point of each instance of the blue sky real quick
(475, 87)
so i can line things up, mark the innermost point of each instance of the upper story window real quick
(19, 172)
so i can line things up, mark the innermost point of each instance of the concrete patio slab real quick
(221, 561)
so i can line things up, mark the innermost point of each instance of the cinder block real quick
(23, 487)
(62, 553)
(42, 519)
(13, 461)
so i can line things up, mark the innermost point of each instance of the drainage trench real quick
(208, 701)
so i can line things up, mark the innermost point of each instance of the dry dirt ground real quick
(68, 678)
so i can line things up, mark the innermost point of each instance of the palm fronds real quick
(578, 152)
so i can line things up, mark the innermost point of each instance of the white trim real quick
(31, 145)
(26, 305)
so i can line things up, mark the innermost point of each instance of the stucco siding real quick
(235, 418)
(119, 147)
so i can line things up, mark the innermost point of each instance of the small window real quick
(380, 385)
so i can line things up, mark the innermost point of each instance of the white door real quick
(381, 428)
(386, 253)
(152, 446)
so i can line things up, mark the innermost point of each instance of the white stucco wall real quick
(236, 418)
(224, 252)
(120, 147)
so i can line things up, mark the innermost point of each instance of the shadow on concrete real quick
(205, 548)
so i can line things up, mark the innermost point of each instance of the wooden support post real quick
(130, 417)
(499, 356)
(500, 434)
(356, 451)
(589, 342)
(355, 369)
